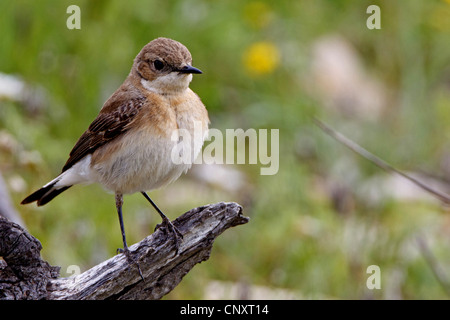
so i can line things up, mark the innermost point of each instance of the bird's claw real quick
(130, 259)
(177, 235)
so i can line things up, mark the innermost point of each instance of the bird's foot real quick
(130, 259)
(177, 236)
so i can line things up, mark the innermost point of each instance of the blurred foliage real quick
(313, 229)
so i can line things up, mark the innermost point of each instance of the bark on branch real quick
(24, 275)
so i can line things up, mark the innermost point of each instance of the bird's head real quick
(164, 66)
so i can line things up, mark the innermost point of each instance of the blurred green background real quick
(327, 214)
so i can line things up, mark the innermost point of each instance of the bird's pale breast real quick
(142, 158)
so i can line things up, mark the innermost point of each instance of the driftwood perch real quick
(24, 275)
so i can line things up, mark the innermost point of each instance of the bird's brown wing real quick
(107, 126)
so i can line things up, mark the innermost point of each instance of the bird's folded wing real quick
(107, 126)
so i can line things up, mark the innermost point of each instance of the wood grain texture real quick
(117, 278)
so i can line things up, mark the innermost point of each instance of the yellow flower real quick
(261, 58)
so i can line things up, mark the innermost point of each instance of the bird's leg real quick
(119, 203)
(166, 222)
(125, 250)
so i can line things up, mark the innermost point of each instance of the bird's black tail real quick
(45, 194)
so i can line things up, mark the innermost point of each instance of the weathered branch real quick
(26, 276)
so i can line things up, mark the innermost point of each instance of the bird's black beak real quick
(190, 69)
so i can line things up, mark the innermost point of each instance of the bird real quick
(129, 147)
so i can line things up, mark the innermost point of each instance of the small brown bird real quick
(129, 147)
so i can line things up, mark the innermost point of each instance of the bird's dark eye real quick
(158, 64)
